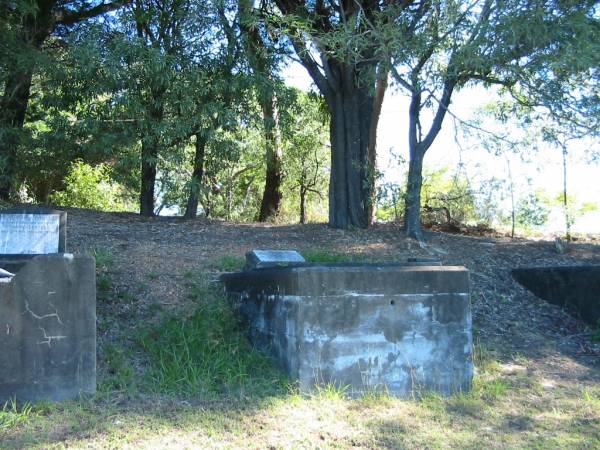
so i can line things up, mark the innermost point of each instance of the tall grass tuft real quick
(207, 353)
(11, 414)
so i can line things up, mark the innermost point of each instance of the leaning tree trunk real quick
(191, 210)
(412, 213)
(351, 180)
(418, 146)
(271, 200)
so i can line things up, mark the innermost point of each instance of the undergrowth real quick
(207, 352)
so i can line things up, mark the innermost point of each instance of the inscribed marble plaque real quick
(29, 234)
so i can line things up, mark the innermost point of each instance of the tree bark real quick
(418, 146)
(412, 214)
(191, 210)
(148, 178)
(351, 106)
(302, 205)
(565, 197)
(271, 200)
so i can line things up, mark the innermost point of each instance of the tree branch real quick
(70, 17)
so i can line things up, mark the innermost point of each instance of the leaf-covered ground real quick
(537, 369)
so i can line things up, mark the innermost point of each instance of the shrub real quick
(90, 187)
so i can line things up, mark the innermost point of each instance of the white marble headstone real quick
(29, 234)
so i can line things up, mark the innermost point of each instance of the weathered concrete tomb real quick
(576, 288)
(405, 328)
(47, 310)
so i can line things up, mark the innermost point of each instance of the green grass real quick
(13, 414)
(207, 353)
(228, 263)
(121, 375)
(327, 256)
(105, 259)
(104, 283)
(486, 417)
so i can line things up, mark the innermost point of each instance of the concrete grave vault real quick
(404, 328)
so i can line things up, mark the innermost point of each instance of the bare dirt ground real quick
(151, 257)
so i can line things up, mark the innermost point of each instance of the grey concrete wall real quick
(404, 328)
(48, 328)
(574, 287)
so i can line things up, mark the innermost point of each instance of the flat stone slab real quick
(269, 258)
(48, 328)
(32, 231)
(402, 328)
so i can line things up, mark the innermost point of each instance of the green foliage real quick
(448, 199)
(390, 202)
(306, 157)
(90, 187)
(206, 353)
(533, 210)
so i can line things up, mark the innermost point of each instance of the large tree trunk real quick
(271, 200)
(191, 210)
(148, 178)
(351, 180)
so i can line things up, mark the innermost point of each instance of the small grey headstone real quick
(272, 258)
(32, 231)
